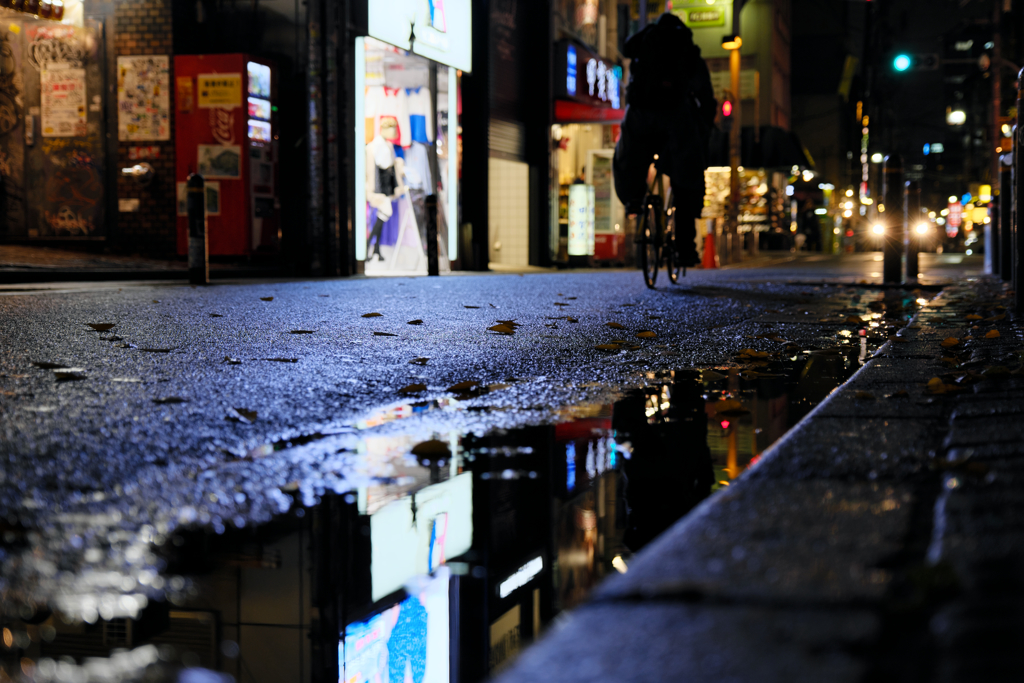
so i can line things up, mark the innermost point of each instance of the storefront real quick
(587, 220)
(52, 146)
(407, 105)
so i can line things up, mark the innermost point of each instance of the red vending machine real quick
(226, 130)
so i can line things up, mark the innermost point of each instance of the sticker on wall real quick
(219, 161)
(222, 91)
(62, 101)
(143, 97)
(186, 94)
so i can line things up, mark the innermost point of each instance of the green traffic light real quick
(901, 63)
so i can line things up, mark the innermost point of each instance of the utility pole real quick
(997, 78)
(733, 44)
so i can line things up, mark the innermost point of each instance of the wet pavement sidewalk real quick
(879, 540)
(33, 264)
(281, 470)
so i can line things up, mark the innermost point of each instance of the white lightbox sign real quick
(442, 28)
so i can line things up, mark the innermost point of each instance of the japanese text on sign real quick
(62, 102)
(219, 91)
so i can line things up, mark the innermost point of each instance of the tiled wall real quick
(143, 27)
(509, 212)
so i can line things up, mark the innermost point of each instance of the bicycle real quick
(656, 233)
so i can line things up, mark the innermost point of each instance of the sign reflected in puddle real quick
(446, 560)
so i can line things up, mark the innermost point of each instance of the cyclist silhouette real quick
(670, 113)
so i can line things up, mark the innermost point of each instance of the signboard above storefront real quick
(586, 78)
(441, 30)
(701, 17)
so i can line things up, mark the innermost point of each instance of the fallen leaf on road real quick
(69, 374)
(561, 303)
(465, 306)
(501, 329)
(384, 334)
(301, 332)
(371, 315)
(241, 415)
(712, 376)
(571, 319)
(412, 389)
(462, 386)
(131, 380)
(232, 361)
(570, 298)
(101, 327)
(615, 326)
(216, 315)
(950, 342)
(607, 347)
(973, 316)
(864, 396)
(901, 393)
(46, 365)
(415, 322)
(283, 360)
(996, 318)
(620, 341)
(419, 361)
(266, 298)
(431, 449)
(170, 399)
(992, 334)
(647, 334)
(148, 350)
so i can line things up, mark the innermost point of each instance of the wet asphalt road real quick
(212, 405)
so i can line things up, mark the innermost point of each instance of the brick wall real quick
(143, 27)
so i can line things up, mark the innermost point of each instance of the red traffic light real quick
(727, 108)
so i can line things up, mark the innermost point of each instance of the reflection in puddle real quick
(450, 555)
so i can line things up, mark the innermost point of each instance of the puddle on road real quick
(449, 565)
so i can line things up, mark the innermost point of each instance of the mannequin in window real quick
(385, 174)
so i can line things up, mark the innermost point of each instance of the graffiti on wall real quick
(74, 187)
(61, 46)
(12, 155)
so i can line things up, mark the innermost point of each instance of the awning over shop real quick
(776, 148)
(567, 111)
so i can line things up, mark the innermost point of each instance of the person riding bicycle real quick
(670, 113)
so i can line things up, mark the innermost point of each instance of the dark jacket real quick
(667, 70)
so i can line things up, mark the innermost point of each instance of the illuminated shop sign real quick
(442, 29)
(588, 78)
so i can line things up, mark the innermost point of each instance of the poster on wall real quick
(219, 91)
(219, 161)
(62, 101)
(212, 198)
(143, 98)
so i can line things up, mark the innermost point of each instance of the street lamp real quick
(956, 117)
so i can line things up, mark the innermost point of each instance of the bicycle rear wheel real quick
(672, 261)
(647, 241)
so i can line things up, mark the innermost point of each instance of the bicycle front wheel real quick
(648, 243)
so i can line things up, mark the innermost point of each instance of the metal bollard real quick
(198, 244)
(892, 240)
(431, 210)
(911, 239)
(1005, 248)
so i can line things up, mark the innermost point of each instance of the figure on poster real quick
(219, 161)
(385, 179)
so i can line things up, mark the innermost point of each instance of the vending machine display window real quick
(259, 80)
(259, 109)
(259, 131)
